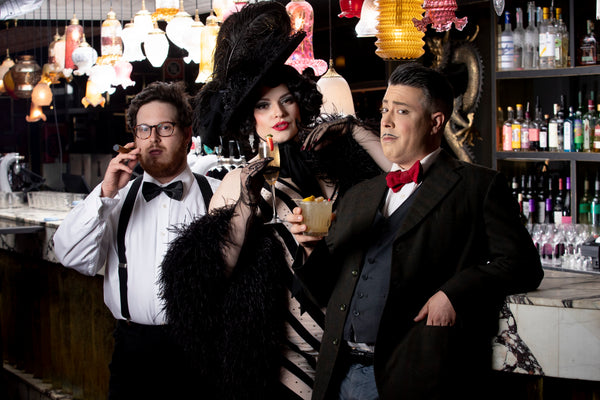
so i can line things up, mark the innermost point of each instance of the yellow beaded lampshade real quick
(397, 36)
(209, 42)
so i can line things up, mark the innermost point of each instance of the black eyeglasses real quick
(163, 129)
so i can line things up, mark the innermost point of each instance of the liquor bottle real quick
(528, 195)
(525, 143)
(589, 119)
(561, 122)
(568, 142)
(499, 123)
(566, 214)
(578, 128)
(595, 204)
(562, 41)
(588, 46)
(546, 40)
(507, 130)
(548, 215)
(534, 129)
(544, 133)
(596, 144)
(530, 51)
(540, 201)
(558, 203)
(553, 124)
(518, 39)
(515, 188)
(531, 217)
(507, 46)
(516, 126)
(584, 203)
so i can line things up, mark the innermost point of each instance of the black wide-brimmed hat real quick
(251, 44)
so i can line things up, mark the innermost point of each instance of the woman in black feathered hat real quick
(231, 296)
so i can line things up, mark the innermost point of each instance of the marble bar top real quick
(34, 216)
(564, 289)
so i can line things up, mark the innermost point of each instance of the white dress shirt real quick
(395, 200)
(87, 240)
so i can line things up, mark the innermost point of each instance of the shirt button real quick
(361, 295)
(343, 307)
(356, 313)
(354, 273)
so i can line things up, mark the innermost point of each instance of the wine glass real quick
(271, 172)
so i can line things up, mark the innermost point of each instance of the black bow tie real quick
(151, 190)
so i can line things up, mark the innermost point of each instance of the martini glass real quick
(271, 172)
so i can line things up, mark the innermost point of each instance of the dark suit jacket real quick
(462, 235)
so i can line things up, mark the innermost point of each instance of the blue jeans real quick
(359, 384)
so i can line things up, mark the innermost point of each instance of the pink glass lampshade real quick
(73, 35)
(350, 8)
(84, 57)
(123, 74)
(440, 14)
(302, 17)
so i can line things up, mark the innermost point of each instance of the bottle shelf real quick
(549, 73)
(546, 155)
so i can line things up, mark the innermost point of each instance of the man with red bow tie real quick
(414, 272)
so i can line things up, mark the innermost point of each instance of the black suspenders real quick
(122, 228)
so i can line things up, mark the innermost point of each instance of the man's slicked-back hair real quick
(438, 92)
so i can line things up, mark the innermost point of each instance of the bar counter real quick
(54, 324)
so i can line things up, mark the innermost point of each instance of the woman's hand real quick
(252, 181)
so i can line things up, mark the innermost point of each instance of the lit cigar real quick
(120, 149)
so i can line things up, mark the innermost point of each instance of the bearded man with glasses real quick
(125, 226)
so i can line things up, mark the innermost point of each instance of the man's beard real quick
(165, 167)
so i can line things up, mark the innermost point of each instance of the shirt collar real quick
(425, 162)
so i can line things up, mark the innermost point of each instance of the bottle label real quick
(586, 134)
(553, 135)
(506, 138)
(541, 212)
(507, 53)
(525, 138)
(543, 139)
(577, 132)
(557, 217)
(516, 136)
(534, 135)
(568, 135)
(584, 208)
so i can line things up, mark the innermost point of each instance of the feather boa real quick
(232, 328)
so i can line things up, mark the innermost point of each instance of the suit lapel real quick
(439, 180)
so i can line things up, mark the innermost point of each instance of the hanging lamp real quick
(84, 57)
(440, 14)
(156, 46)
(367, 25)
(41, 94)
(111, 45)
(132, 49)
(123, 71)
(302, 19)
(142, 21)
(179, 27)
(350, 8)
(209, 42)
(337, 96)
(35, 113)
(397, 37)
(4, 67)
(26, 73)
(165, 10)
(92, 96)
(193, 40)
(73, 34)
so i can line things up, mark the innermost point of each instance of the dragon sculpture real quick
(460, 57)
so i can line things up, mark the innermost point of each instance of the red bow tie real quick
(397, 179)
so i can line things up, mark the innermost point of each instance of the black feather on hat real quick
(250, 44)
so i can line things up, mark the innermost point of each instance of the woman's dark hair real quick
(303, 89)
(171, 93)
